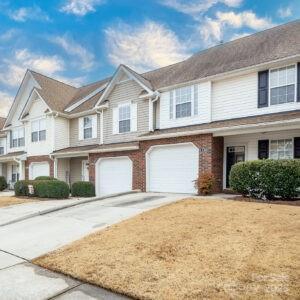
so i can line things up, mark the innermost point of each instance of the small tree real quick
(205, 184)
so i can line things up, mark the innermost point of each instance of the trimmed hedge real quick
(21, 187)
(43, 189)
(45, 178)
(51, 189)
(83, 189)
(266, 179)
(3, 183)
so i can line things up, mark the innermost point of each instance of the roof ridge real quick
(53, 79)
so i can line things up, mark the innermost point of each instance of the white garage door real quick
(39, 169)
(114, 175)
(172, 168)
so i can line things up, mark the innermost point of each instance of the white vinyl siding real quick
(236, 97)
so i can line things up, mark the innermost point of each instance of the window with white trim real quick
(281, 149)
(38, 130)
(17, 138)
(87, 128)
(124, 118)
(184, 102)
(283, 85)
(2, 146)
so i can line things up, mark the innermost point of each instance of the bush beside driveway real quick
(192, 249)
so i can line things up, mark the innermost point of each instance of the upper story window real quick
(2, 146)
(281, 149)
(184, 102)
(17, 138)
(38, 130)
(283, 85)
(87, 127)
(124, 118)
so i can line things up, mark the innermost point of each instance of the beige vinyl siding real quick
(74, 134)
(123, 92)
(76, 168)
(63, 169)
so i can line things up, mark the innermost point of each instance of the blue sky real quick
(81, 41)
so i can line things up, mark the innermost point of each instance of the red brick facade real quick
(35, 159)
(210, 158)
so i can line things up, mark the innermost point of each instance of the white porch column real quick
(21, 164)
(55, 162)
(101, 128)
(150, 115)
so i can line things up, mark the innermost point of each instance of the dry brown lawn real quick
(192, 249)
(7, 201)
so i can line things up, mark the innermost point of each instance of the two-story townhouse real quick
(160, 130)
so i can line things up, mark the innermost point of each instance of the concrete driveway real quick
(24, 240)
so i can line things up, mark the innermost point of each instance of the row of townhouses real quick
(159, 130)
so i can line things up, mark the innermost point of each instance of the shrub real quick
(83, 189)
(51, 189)
(3, 183)
(45, 178)
(205, 184)
(266, 179)
(21, 187)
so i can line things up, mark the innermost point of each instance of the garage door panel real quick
(39, 169)
(173, 168)
(114, 176)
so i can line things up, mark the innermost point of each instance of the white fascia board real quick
(79, 102)
(233, 73)
(19, 92)
(112, 83)
(230, 130)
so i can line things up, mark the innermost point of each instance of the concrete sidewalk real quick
(25, 240)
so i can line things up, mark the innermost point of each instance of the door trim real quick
(235, 144)
(82, 169)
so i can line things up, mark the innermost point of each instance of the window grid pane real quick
(183, 98)
(281, 149)
(124, 126)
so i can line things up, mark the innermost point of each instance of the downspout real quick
(100, 112)
(151, 106)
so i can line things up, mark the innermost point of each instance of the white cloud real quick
(8, 35)
(212, 30)
(151, 45)
(245, 18)
(284, 12)
(194, 7)
(14, 68)
(239, 35)
(5, 103)
(28, 13)
(86, 58)
(80, 7)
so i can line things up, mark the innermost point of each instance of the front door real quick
(234, 155)
(85, 170)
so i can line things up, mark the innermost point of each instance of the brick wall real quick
(210, 158)
(33, 159)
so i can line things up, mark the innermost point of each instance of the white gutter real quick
(86, 152)
(215, 130)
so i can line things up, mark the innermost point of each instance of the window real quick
(38, 130)
(183, 101)
(17, 138)
(2, 146)
(282, 85)
(281, 149)
(87, 128)
(124, 118)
